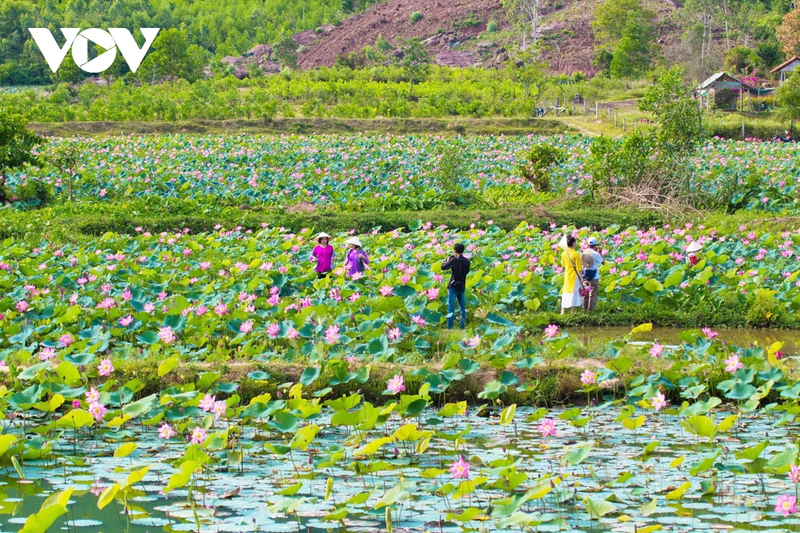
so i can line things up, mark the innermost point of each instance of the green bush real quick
(492, 26)
(762, 308)
(416, 16)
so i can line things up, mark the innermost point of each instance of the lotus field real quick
(383, 172)
(183, 381)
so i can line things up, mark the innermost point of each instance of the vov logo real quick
(111, 40)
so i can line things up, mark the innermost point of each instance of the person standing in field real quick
(324, 255)
(571, 263)
(356, 260)
(592, 259)
(457, 286)
(691, 251)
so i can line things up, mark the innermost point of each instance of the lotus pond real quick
(380, 171)
(647, 450)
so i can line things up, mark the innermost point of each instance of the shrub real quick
(540, 158)
(762, 308)
(416, 16)
(492, 26)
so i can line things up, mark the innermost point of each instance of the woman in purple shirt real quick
(356, 259)
(323, 254)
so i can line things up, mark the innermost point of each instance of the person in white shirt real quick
(592, 276)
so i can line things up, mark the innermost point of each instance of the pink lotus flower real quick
(65, 340)
(149, 307)
(92, 396)
(47, 354)
(165, 431)
(588, 377)
(219, 409)
(786, 505)
(292, 334)
(207, 403)
(418, 320)
(97, 410)
(474, 341)
(708, 332)
(22, 306)
(105, 368)
(246, 327)
(76, 404)
(658, 401)
(396, 384)
(460, 469)
(198, 435)
(547, 427)
(3, 366)
(551, 331)
(126, 321)
(794, 474)
(386, 290)
(166, 335)
(656, 350)
(732, 364)
(221, 309)
(332, 334)
(393, 334)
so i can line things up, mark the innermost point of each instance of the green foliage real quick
(762, 308)
(416, 16)
(492, 26)
(788, 98)
(16, 146)
(415, 62)
(285, 51)
(671, 101)
(769, 54)
(538, 162)
(741, 59)
(173, 57)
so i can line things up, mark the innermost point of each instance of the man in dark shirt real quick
(459, 265)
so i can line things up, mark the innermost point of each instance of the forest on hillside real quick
(221, 28)
(628, 38)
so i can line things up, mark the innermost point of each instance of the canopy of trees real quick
(221, 28)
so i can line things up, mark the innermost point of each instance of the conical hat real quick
(563, 243)
(322, 235)
(353, 240)
(587, 259)
(694, 246)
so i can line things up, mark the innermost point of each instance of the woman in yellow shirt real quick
(571, 262)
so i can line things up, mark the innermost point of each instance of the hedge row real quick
(19, 224)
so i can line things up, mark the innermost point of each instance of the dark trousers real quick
(452, 296)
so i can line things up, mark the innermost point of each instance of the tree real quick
(769, 54)
(671, 101)
(613, 18)
(285, 51)
(526, 70)
(172, 57)
(625, 27)
(788, 98)
(415, 62)
(16, 147)
(525, 15)
(788, 32)
(740, 59)
(632, 53)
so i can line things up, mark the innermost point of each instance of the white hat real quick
(694, 246)
(353, 240)
(592, 241)
(563, 243)
(322, 235)
(587, 259)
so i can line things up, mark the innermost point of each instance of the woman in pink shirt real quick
(356, 260)
(323, 254)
